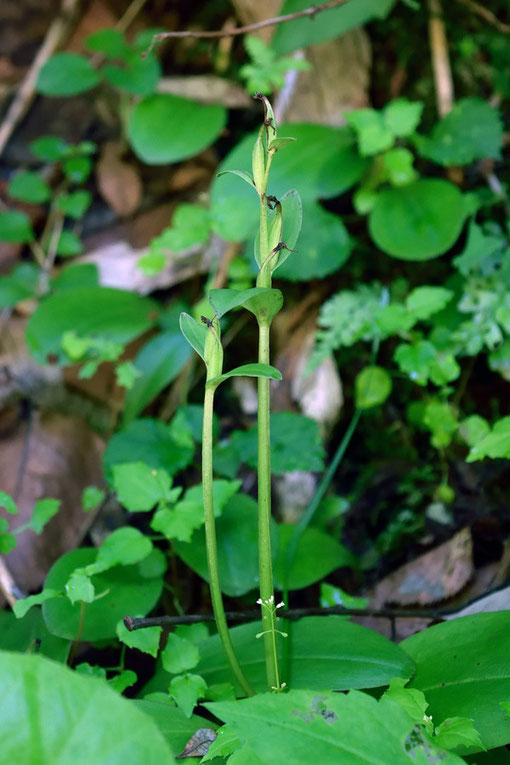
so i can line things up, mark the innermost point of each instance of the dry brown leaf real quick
(52, 456)
(433, 577)
(199, 743)
(118, 181)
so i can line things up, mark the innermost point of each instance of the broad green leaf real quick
(124, 590)
(495, 445)
(295, 444)
(139, 486)
(403, 116)
(323, 247)
(75, 204)
(463, 668)
(28, 186)
(173, 724)
(69, 244)
(458, 732)
(324, 652)
(323, 162)
(335, 596)
(329, 728)
(124, 547)
(191, 226)
(79, 588)
(115, 315)
(136, 75)
(471, 130)
(66, 74)
(76, 275)
(423, 302)
(49, 147)
(317, 555)
(19, 285)
(325, 26)
(74, 716)
(15, 227)
(372, 387)
(248, 370)
(189, 128)
(418, 222)
(413, 701)
(415, 360)
(21, 607)
(186, 690)
(179, 654)
(223, 301)
(161, 446)
(480, 247)
(473, 429)
(7, 503)
(30, 635)
(145, 640)
(194, 332)
(44, 510)
(237, 538)
(109, 41)
(374, 136)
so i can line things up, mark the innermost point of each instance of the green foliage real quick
(189, 128)
(266, 71)
(372, 386)
(64, 701)
(66, 74)
(15, 227)
(419, 222)
(29, 187)
(458, 673)
(472, 130)
(495, 444)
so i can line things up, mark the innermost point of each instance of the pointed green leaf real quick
(223, 301)
(292, 213)
(186, 690)
(279, 143)
(146, 640)
(248, 370)
(242, 174)
(194, 333)
(21, 607)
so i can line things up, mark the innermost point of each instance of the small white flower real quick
(281, 605)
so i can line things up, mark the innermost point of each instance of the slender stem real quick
(264, 501)
(211, 546)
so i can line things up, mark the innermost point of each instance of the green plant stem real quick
(264, 526)
(211, 546)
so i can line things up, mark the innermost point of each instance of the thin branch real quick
(137, 623)
(440, 59)
(487, 15)
(234, 31)
(26, 92)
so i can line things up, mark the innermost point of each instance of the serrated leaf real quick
(124, 547)
(423, 302)
(139, 486)
(179, 654)
(79, 588)
(21, 607)
(495, 445)
(186, 690)
(410, 699)
(458, 732)
(145, 640)
(403, 116)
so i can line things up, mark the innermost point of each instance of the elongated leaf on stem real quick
(241, 173)
(279, 143)
(248, 370)
(292, 214)
(194, 333)
(225, 300)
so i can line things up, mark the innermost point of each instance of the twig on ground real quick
(8, 586)
(137, 623)
(440, 60)
(26, 92)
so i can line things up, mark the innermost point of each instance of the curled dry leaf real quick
(118, 181)
(199, 743)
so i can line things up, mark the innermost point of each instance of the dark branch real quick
(249, 27)
(135, 623)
